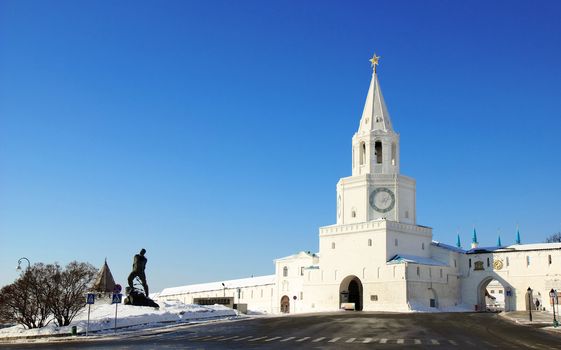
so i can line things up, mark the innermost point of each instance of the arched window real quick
(394, 154)
(369, 242)
(285, 271)
(378, 152)
(362, 153)
(332, 245)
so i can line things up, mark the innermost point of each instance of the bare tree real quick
(556, 237)
(69, 286)
(25, 301)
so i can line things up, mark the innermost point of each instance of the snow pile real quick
(102, 317)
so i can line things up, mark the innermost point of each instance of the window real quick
(261, 293)
(469, 263)
(285, 271)
(393, 156)
(549, 259)
(492, 291)
(455, 264)
(395, 242)
(370, 245)
(488, 262)
(440, 273)
(433, 303)
(507, 261)
(423, 246)
(500, 291)
(251, 294)
(353, 213)
(418, 271)
(362, 153)
(407, 214)
(301, 295)
(374, 298)
(378, 152)
(332, 245)
(527, 260)
(302, 271)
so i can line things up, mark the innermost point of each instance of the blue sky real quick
(213, 133)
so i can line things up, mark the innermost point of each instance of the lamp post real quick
(530, 303)
(553, 295)
(224, 288)
(19, 263)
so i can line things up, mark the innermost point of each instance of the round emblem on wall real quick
(382, 199)
(498, 264)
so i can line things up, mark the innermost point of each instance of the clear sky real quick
(213, 133)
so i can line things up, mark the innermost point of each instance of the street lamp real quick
(530, 303)
(224, 286)
(19, 263)
(553, 295)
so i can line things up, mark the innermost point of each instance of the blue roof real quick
(449, 247)
(402, 258)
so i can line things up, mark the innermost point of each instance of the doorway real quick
(350, 292)
(285, 304)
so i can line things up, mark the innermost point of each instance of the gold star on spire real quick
(374, 61)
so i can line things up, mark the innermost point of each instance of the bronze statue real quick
(138, 266)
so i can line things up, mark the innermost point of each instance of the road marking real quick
(273, 338)
(244, 338)
(470, 343)
(214, 338)
(434, 341)
(334, 340)
(350, 340)
(400, 341)
(230, 338)
(201, 338)
(383, 341)
(491, 345)
(287, 339)
(417, 341)
(452, 342)
(318, 339)
(367, 340)
(256, 339)
(303, 339)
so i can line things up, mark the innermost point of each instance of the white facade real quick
(376, 257)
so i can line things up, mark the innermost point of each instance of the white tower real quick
(375, 189)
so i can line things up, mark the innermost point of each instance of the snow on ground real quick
(102, 317)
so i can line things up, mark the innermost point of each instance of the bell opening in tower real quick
(378, 152)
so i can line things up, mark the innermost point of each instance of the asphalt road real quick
(340, 330)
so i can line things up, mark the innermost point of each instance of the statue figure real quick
(138, 266)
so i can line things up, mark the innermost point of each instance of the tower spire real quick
(474, 242)
(517, 235)
(375, 115)
(458, 243)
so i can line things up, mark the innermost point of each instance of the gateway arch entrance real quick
(350, 293)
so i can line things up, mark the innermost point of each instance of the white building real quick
(376, 256)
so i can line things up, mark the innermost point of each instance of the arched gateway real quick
(285, 304)
(350, 292)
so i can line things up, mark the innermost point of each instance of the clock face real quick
(498, 264)
(382, 199)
